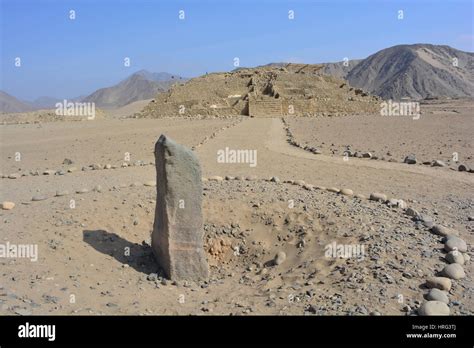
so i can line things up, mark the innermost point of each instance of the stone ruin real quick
(268, 91)
(177, 237)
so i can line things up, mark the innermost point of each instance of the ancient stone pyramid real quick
(268, 91)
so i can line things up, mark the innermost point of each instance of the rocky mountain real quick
(139, 86)
(160, 76)
(411, 71)
(340, 70)
(9, 103)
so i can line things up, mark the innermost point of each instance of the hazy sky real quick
(63, 57)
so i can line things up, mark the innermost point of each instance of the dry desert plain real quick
(85, 212)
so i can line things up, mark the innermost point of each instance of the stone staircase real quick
(265, 107)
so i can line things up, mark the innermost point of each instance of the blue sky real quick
(61, 57)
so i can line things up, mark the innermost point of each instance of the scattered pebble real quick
(433, 308)
(347, 192)
(463, 168)
(437, 295)
(426, 219)
(454, 271)
(280, 257)
(443, 231)
(8, 205)
(378, 197)
(438, 163)
(455, 243)
(402, 204)
(275, 179)
(412, 212)
(61, 193)
(455, 257)
(410, 159)
(441, 283)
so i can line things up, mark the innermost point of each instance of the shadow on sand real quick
(138, 256)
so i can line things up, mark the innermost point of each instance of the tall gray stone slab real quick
(177, 238)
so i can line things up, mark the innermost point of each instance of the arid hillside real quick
(416, 71)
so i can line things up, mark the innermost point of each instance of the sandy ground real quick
(441, 131)
(45, 146)
(127, 110)
(82, 267)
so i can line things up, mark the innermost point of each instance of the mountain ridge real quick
(415, 71)
(140, 85)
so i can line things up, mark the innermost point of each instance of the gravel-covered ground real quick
(266, 241)
(82, 254)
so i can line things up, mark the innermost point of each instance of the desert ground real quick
(289, 202)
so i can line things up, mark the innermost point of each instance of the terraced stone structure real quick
(177, 238)
(268, 91)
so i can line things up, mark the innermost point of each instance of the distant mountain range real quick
(415, 71)
(9, 103)
(139, 86)
(411, 71)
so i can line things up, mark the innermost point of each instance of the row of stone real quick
(410, 159)
(392, 202)
(456, 248)
(291, 139)
(213, 135)
(7, 205)
(95, 166)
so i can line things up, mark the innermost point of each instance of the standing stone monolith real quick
(177, 238)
